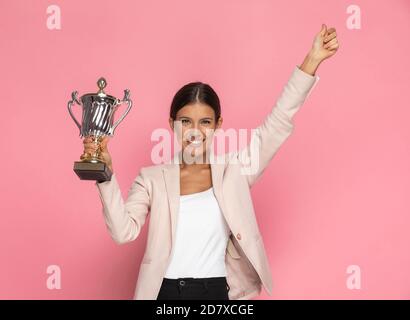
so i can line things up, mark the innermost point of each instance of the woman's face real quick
(195, 125)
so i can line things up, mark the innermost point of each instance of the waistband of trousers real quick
(196, 280)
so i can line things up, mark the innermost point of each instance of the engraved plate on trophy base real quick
(92, 171)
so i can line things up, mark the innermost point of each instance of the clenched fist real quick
(324, 46)
(325, 43)
(91, 147)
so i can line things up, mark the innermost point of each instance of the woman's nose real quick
(193, 134)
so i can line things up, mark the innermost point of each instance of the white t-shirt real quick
(201, 238)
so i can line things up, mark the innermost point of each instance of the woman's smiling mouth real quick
(195, 143)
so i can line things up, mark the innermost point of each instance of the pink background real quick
(337, 193)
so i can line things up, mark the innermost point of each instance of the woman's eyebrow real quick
(206, 118)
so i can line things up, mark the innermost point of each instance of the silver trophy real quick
(97, 121)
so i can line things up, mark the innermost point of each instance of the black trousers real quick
(215, 288)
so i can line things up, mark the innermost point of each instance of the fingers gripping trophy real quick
(98, 110)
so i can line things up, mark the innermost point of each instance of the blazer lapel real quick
(171, 172)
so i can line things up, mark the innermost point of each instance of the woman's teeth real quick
(196, 143)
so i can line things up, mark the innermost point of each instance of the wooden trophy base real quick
(98, 171)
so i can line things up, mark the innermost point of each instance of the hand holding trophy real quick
(97, 126)
(91, 147)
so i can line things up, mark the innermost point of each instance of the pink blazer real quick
(156, 191)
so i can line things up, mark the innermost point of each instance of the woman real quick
(203, 238)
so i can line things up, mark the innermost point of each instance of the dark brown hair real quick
(195, 92)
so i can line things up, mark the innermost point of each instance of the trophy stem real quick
(94, 157)
(92, 166)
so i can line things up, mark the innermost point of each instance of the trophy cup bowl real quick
(98, 110)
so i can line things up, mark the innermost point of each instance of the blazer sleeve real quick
(124, 220)
(276, 127)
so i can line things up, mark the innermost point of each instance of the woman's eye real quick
(206, 122)
(184, 121)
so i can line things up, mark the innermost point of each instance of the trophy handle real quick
(129, 102)
(74, 99)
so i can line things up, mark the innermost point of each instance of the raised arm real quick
(278, 125)
(124, 220)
